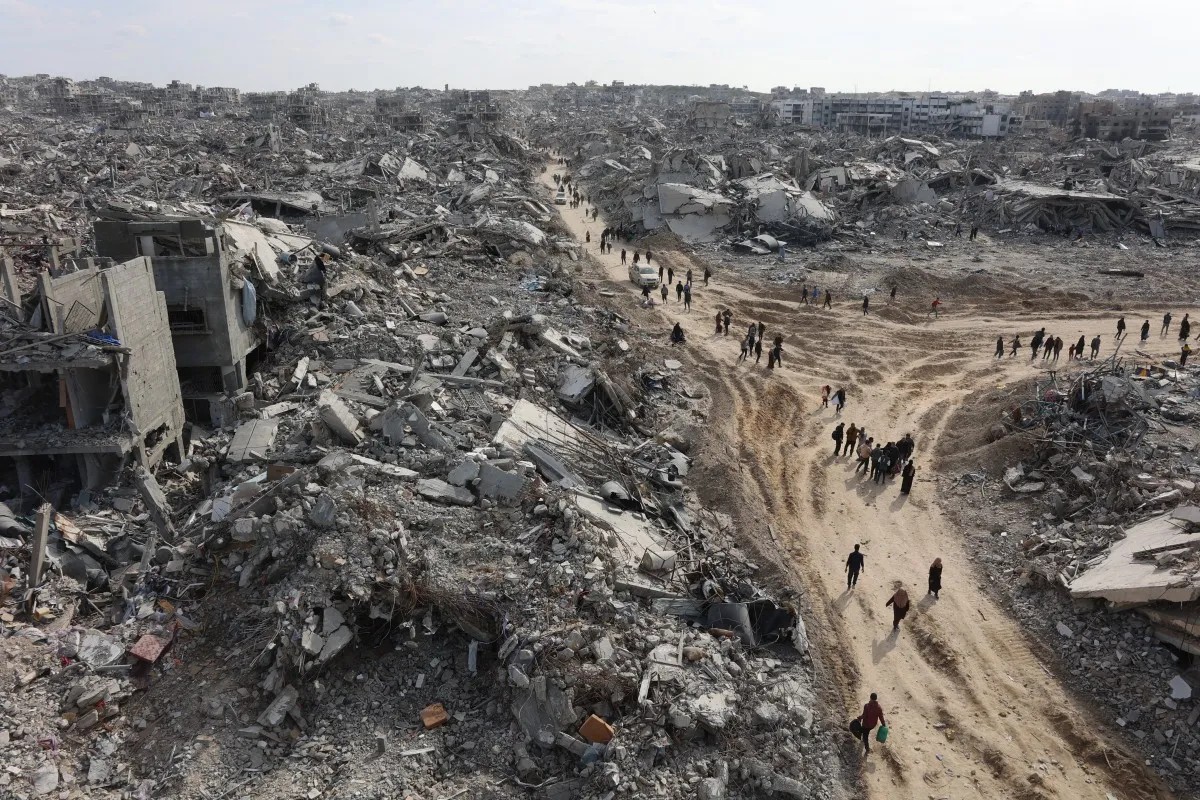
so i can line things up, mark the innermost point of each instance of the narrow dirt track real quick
(973, 712)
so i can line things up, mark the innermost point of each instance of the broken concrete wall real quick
(138, 319)
(72, 303)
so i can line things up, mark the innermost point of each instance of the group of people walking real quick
(900, 603)
(752, 342)
(1051, 346)
(882, 461)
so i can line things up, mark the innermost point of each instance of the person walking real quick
(1185, 328)
(892, 296)
(906, 446)
(587, 239)
(1183, 354)
(757, 350)
(974, 232)
(661, 271)
(689, 277)
(1058, 343)
(899, 603)
(687, 297)
(1166, 324)
(665, 293)
(622, 255)
(1079, 347)
(670, 275)
(718, 323)
(775, 358)
(935, 577)
(839, 401)
(727, 317)
(1035, 343)
(854, 565)
(1095, 347)
(828, 300)
(804, 294)
(1145, 331)
(872, 715)
(647, 256)
(636, 257)
(1048, 348)
(707, 275)
(851, 438)
(1120, 328)
(934, 306)
(999, 347)
(746, 345)
(826, 390)
(679, 292)
(839, 433)
(762, 329)
(907, 476)
(866, 304)
(864, 456)
(882, 463)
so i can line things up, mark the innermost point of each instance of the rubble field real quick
(339, 462)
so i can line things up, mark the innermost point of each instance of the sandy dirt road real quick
(974, 714)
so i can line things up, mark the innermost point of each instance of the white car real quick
(560, 199)
(642, 275)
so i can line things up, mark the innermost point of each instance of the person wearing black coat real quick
(906, 481)
(935, 577)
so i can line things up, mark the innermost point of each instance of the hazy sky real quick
(868, 45)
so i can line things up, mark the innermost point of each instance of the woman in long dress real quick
(909, 473)
(935, 577)
(899, 604)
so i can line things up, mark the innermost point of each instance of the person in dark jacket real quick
(838, 435)
(872, 715)
(1146, 331)
(906, 446)
(899, 603)
(851, 438)
(719, 319)
(758, 350)
(855, 563)
(907, 476)
(1079, 347)
(1185, 327)
(1166, 324)
(935, 577)
(1120, 327)
(727, 316)
(999, 347)
(1016, 344)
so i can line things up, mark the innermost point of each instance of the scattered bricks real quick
(434, 716)
(595, 729)
(149, 648)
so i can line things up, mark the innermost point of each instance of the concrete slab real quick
(252, 440)
(1120, 578)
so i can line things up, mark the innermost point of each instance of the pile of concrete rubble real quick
(440, 545)
(804, 187)
(1109, 569)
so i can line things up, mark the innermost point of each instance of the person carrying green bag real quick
(872, 715)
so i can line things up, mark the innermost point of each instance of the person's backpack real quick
(835, 434)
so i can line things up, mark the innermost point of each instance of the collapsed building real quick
(90, 382)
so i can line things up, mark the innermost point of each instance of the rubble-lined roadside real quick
(1103, 460)
(439, 545)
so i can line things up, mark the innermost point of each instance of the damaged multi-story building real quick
(392, 109)
(88, 379)
(210, 305)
